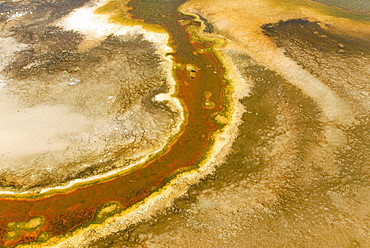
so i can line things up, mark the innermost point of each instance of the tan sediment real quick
(260, 48)
(164, 198)
(336, 113)
(238, 214)
(244, 28)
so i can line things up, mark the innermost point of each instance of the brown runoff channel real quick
(63, 212)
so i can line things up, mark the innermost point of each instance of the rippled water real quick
(362, 6)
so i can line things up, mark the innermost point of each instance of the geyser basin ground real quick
(70, 113)
(199, 85)
(292, 80)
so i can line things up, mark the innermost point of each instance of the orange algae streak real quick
(65, 211)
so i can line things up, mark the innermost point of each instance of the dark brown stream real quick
(63, 212)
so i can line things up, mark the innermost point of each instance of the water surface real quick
(361, 6)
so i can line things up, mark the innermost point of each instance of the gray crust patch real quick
(70, 114)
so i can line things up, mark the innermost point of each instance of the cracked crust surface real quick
(69, 114)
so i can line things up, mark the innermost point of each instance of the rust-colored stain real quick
(65, 211)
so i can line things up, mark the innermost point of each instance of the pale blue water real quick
(361, 6)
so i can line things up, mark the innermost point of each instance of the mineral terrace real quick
(290, 168)
(77, 101)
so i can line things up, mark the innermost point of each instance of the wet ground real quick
(283, 184)
(71, 113)
(142, 96)
(297, 173)
(290, 180)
